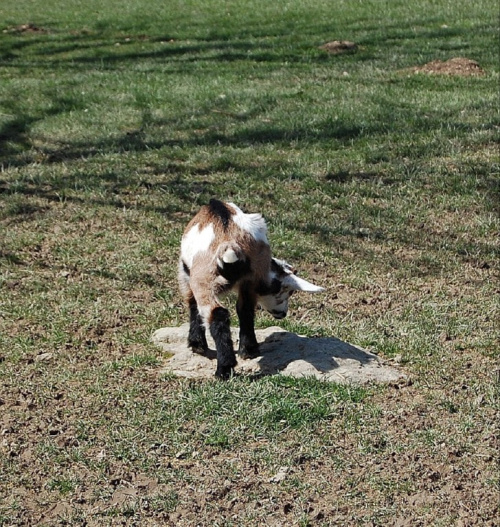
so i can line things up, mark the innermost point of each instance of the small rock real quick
(280, 475)
(44, 357)
(325, 358)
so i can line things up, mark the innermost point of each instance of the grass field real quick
(117, 121)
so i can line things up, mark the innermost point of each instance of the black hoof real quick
(249, 353)
(224, 374)
(199, 350)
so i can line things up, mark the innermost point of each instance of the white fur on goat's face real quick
(276, 305)
(282, 276)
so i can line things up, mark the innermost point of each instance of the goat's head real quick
(283, 283)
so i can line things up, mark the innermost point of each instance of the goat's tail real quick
(228, 254)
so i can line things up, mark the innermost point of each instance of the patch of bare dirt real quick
(458, 66)
(337, 47)
(426, 456)
(25, 28)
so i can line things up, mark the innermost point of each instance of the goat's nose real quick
(278, 314)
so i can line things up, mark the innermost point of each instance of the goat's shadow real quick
(324, 354)
(321, 354)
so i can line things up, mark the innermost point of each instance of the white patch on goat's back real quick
(254, 224)
(196, 240)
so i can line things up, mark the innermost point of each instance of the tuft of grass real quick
(265, 407)
(63, 486)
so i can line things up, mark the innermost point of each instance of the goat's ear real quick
(299, 284)
(280, 266)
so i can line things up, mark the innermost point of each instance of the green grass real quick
(117, 121)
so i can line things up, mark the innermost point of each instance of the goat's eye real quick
(275, 286)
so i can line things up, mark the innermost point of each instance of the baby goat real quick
(224, 249)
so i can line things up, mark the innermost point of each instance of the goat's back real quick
(221, 227)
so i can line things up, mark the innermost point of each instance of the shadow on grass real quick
(107, 189)
(104, 48)
(94, 49)
(18, 122)
(14, 135)
(181, 179)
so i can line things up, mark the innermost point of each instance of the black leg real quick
(245, 308)
(221, 333)
(196, 338)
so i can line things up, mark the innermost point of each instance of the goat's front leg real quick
(245, 308)
(197, 340)
(221, 333)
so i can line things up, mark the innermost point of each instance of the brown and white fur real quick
(224, 249)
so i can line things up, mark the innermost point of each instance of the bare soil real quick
(417, 456)
(458, 66)
(230, 485)
(25, 28)
(337, 47)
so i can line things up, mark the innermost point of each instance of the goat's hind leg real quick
(197, 340)
(221, 333)
(249, 348)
